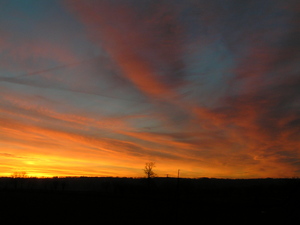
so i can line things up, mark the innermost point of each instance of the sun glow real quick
(30, 162)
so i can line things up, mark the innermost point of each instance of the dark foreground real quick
(159, 201)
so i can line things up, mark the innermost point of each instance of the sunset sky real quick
(99, 88)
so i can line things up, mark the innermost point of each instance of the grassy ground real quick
(143, 204)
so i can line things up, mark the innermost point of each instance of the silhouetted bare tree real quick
(149, 169)
(18, 180)
(21, 174)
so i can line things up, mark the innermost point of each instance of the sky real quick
(99, 88)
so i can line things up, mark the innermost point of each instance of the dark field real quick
(139, 201)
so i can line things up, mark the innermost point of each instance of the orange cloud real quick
(125, 43)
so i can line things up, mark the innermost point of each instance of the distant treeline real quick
(142, 185)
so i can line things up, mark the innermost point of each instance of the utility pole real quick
(178, 181)
(177, 196)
